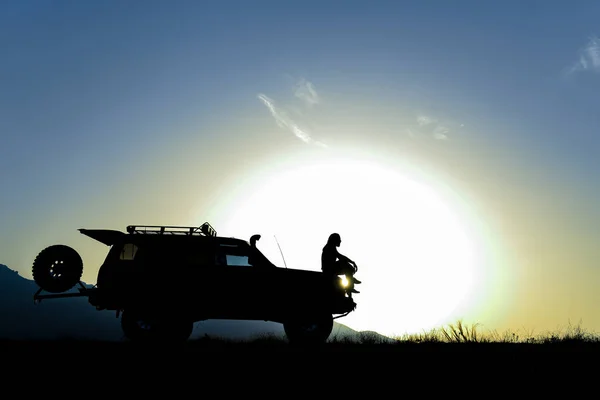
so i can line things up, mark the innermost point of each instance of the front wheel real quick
(308, 328)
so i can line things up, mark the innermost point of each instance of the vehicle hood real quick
(106, 236)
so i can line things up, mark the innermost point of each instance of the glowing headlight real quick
(344, 281)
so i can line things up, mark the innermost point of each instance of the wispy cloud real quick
(283, 120)
(305, 91)
(431, 126)
(589, 57)
(425, 120)
(440, 132)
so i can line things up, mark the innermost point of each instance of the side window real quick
(128, 251)
(237, 260)
(233, 255)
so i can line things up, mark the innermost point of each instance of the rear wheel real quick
(139, 328)
(309, 328)
(57, 268)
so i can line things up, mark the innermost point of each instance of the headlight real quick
(344, 281)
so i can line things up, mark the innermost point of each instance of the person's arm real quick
(344, 258)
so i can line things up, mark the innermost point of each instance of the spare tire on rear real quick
(57, 268)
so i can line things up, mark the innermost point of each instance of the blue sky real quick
(119, 112)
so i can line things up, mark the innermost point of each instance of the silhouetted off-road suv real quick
(162, 279)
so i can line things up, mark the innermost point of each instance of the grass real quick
(451, 358)
(459, 332)
(455, 333)
(459, 351)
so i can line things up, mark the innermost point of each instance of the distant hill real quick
(58, 318)
(74, 317)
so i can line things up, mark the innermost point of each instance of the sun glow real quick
(416, 260)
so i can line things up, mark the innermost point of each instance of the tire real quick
(140, 329)
(57, 268)
(308, 329)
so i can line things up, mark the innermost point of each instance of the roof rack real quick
(203, 230)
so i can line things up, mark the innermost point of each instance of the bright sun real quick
(415, 257)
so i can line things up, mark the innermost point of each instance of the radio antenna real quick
(280, 250)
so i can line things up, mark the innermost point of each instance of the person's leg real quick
(348, 270)
(343, 268)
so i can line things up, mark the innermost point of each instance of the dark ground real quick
(265, 367)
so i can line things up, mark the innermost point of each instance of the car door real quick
(239, 285)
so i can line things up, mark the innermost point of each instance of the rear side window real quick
(128, 251)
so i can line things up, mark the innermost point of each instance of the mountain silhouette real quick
(50, 319)
(75, 318)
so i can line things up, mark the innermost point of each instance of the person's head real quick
(334, 239)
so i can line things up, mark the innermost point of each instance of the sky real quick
(453, 145)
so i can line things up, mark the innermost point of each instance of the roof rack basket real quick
(203, 230)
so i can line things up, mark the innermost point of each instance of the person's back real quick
(328, 258)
